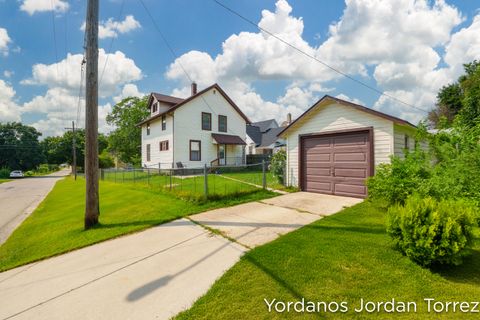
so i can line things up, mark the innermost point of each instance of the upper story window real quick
(155, 107)
(164, 122)
(222, 123)
(148, 129)
(206, 121)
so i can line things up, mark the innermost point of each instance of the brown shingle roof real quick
(227, 139)
(167, 99)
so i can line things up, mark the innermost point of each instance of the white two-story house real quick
(205, 128)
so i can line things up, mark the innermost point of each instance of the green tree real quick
(125, 140)
(19, 146)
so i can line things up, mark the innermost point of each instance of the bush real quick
(105, 160)
(395, 182)
(277, 165)
(4, 173)
(430, 231)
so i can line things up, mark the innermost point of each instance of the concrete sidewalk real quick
(156, 273)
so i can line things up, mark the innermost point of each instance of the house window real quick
(195, 150)
(164, 145)
(222, 123)
(206, 121)
(154, 107)
(164, 122)
(148, 129)
(406, 142)
(148, 152)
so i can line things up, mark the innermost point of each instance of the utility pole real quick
(92, 204)
(74, 150)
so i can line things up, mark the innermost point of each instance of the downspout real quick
(173, 140)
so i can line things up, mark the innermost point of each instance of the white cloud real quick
(9, 110)
(111, 28)
(4, 41)
(347, 98)
(8, 73)
(32, 6)
(59, 103)
(129, 90)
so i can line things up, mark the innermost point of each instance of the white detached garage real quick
(334, 146)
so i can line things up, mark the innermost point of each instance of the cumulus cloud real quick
(9, 109)
(59, 103)
(33, 6)
(111, 28)
(4, 41)
(129, 90)
(8, 73)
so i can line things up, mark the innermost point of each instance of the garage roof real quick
(349, 104)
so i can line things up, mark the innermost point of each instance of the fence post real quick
(115, 175)
(123, 175)
(171, 171)
(102, 174)
(148, 176)
(133, 175)
(205, 181)
(264, 176)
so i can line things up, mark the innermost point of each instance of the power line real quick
(315, 58)
(111, 42)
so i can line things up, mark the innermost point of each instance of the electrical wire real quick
(382, 93)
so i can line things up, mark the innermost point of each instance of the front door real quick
(222, 154)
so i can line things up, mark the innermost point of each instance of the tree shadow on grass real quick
(359, 229)
(468, 272)
(140, 223)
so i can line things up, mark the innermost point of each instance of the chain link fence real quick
(207, 182)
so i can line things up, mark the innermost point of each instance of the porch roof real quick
(227, 139)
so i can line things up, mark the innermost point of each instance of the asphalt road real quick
(20, 197)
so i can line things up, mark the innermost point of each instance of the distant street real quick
(19, 198)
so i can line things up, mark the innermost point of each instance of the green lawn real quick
(344, 257)
(188, 185)
(5, 180)
(57, 224)
(256, 177)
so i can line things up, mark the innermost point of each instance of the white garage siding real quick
(336, 117)
(399, 143)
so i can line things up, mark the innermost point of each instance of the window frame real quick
(148, 151)
(164, 122)
(148, 129)
(199, 150)
(209, 122)
(220, 116)
(155, 107)
(165, 145)
(406, 142)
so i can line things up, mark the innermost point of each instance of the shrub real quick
(4, 173)
(277, 165)
(430, 231)
(395, 182)
(105, 160)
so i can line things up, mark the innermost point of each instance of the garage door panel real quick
(318, 156)
(351, 172)
(349, 156)
(337, 164)
(350, 190)
(324, 187)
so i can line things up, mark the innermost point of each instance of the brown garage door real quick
(336, 163)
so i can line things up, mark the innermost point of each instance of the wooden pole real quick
(92, 210)
(74, 146)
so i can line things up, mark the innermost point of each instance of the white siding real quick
(164, 158)
(399, 139)
(188, 126)
(334, 117)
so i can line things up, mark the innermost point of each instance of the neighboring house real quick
(334, 146)
(205, 128)
(262, 137)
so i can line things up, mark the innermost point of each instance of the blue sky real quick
(406, 48)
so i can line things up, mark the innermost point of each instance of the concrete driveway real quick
(18, 199)
(153, 274)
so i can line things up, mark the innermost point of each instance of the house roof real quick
(166, 99)
(266, 124)
(255, 134)
(227, 139)
(184, 101)
(348, 104)
(269, 137)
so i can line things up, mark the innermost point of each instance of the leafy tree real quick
(125, 140)
(19, 146)
(460, 98)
